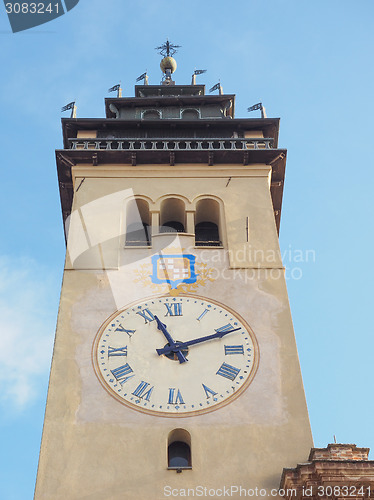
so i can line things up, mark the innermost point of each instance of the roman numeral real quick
(228, 371)
(123, 330)
(225, 328)
(142, 392)
(234, 349)
(202, 315)
(117, 351)
(174, 309)
(121, 373)
(175, 399)
(208, 392)
(146, 315)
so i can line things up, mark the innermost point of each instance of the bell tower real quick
(175, 366)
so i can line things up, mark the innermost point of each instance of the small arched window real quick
(190, 114)
(151, 114)
(179, 450)
(207, 228)
(138, 230)
(172, 217)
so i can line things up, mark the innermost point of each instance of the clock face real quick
(175, 356)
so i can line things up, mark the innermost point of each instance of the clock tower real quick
(175, 370)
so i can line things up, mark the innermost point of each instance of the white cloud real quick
(27, 323)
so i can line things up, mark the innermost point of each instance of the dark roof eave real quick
(271, 124)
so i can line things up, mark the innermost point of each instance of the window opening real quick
(179, 450)
(172, 216)
(138, 230)
(207, 220)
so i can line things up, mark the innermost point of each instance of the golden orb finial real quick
(168, 63)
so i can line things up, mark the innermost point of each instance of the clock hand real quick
(181, 357)
(162, 328)
(180, 345)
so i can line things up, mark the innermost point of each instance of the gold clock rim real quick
(228, 400)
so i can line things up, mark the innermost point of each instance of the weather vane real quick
(167, 49)
(73, 108)
(259, 106)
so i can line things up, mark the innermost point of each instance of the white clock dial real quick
(175, 356)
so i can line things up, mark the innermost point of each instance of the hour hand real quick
(173, 346)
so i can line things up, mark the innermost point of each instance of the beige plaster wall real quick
(97, 448)
(98, 215)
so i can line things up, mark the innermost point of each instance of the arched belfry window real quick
(138, 230)
(190, 114)
(179, 450)
(207, 228)
(151, 114)
(172, 216)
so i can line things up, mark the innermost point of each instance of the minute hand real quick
(181, 345)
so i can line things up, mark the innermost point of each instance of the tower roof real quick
(171, 124)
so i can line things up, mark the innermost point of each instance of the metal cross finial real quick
(167, 49)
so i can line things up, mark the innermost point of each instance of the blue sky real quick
(310, 63)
